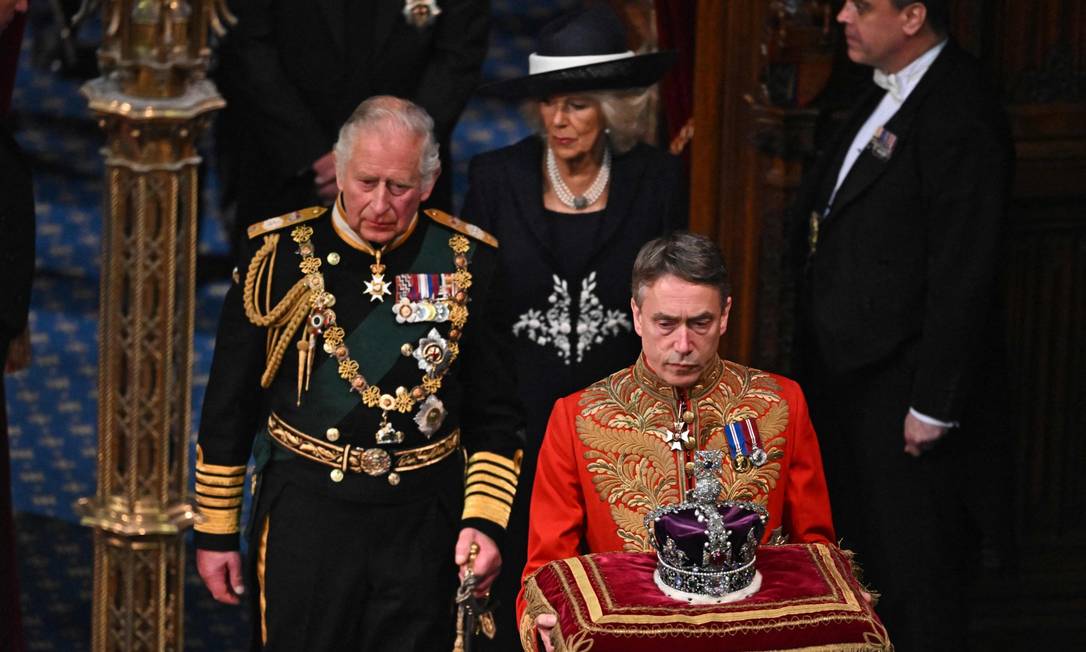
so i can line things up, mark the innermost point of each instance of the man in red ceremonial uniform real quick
(624, 446)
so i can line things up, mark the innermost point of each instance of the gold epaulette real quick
(457, 224)
(289, 219)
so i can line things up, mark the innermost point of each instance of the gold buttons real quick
(406, 350)
(689, 444)
(689, 468)
(333, 258)
(688, 416)
(332, 434)
(394, 479)
(336, 475)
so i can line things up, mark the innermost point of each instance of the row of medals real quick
(434, 353)
(680, 438)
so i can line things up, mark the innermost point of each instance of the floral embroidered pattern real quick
(624, 427)
(553, 327)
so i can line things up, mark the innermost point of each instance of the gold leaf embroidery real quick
(622, 427)
(624, 441)
(631, 527)
(773, 422)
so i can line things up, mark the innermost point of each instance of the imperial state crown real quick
(706, 547)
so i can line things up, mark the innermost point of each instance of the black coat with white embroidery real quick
(646, 199)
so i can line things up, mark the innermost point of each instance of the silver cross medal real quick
(678, 437)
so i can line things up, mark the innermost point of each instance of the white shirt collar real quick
(344, 229)
(901, 83)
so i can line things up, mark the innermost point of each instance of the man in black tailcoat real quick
(293, 70)
(901, 227)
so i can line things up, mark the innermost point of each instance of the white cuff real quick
(931, 421)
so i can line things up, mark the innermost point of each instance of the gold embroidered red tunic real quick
(607, 459)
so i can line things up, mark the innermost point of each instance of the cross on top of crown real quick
(707, 465)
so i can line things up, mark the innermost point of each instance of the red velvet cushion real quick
(607, 602)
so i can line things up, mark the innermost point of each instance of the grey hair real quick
(693, 258)
(625, 115)
(384, 114)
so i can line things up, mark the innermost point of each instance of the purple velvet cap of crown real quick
(689, 534)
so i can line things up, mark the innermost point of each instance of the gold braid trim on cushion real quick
(283, 320)
(858, 574)
(535, 605)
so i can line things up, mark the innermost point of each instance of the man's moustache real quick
(680, 359)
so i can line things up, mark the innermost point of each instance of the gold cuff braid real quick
(490, 485)
(219, 492)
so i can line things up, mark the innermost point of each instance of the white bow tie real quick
(892, 83)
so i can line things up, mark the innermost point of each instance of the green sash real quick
(374, 343)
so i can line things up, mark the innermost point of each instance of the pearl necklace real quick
(562, 191)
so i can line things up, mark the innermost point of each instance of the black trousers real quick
(905, 517)
(342, 575)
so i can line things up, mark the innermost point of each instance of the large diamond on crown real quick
(706, 547)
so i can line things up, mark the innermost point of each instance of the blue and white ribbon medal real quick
(737, 446)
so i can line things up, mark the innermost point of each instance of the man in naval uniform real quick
(358, 361)
(899, 233)
(625, 445)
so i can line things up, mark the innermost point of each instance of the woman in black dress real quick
(571, 206)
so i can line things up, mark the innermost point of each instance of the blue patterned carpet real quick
(52, 405)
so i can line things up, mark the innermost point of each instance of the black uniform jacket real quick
(647, 199)
(904, 268)
(478, 391)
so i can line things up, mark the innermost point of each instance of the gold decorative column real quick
(152, 101)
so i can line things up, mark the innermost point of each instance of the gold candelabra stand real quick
(153, 101)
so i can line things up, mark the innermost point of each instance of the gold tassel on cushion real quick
(535, 605)
(858, 574)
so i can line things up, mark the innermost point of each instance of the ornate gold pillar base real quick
(152, 102)
(138, 590)
(140, 511)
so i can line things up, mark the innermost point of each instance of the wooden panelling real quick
(1046, 301)
(1047, 321)
(724, 184)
